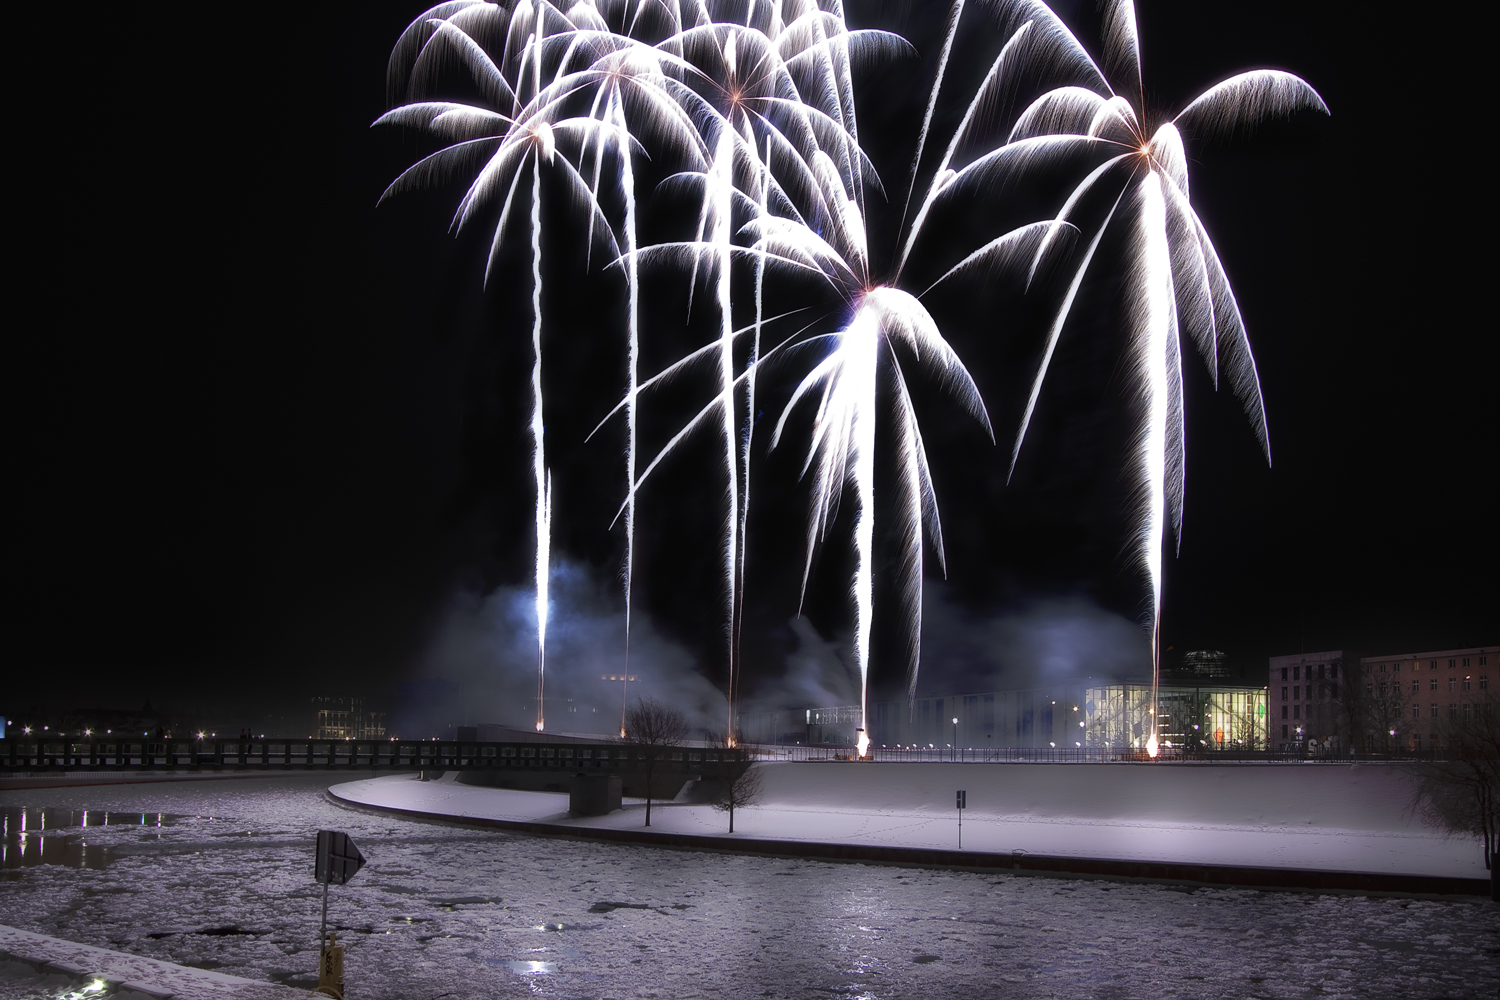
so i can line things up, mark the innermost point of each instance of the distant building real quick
(1304, 695)
(346, 719)
(1418, 690)
(1115, 715)
(1209, 664)
(1387, 701)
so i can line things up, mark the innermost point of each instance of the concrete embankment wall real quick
(1375, 797)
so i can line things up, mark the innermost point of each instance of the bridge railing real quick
(146, 754)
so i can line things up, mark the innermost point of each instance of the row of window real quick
(1324, 691)
(1454, 685)
(1479, 710)
(1325, 670)
(1431, 665)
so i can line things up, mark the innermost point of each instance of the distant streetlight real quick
(955, 737)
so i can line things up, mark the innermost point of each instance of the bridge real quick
(530, 765)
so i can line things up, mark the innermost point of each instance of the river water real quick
(218, 874)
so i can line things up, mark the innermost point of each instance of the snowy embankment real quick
(1315, 817)
(53, 961)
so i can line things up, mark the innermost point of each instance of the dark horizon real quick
(268, 441)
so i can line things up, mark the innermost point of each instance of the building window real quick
(1433, 686)
(1450, 664)
(1296, 673)
(1333, 690)
(1432, 664)
(1296, 694)
(1283, 673)
(1283, 732)
(1416, 741)
(1453, 711)
(1452, 684)
(1283, 694)
(1333, 670)
(1283, 715)
(1416, 685)
(1396, 668)
(1434, 710)
(1483, 660)
(1296, 711)
(1320, 670)
(1484, 680)
(1466, 661)
(1416, 711)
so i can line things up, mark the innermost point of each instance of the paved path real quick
(1388, 852)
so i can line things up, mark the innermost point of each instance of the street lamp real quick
(955, 737)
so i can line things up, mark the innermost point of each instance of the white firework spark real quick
(1176, 281)
(759, 114)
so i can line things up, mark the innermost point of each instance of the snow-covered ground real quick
(47, 967)
(1324, 817)
(226, 882)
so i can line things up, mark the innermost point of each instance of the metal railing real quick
(1077, 755)
(29, 754)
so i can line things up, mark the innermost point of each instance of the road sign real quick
(338, 858)
(963, 799)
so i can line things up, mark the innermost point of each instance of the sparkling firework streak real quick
(755, 108)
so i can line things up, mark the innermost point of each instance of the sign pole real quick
(323, 930)
(337, 861)
(962, 802)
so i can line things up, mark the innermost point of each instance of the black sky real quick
(260, 429)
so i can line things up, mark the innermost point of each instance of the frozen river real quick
(218, 874)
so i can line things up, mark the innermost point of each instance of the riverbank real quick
(48, 960)
(1325, 827)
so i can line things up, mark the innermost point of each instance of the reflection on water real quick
(61, 836)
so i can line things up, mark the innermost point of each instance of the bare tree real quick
(743, 787)
(654, 728)
(1462, 793)
(1372, 708)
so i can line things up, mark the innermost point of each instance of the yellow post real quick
(331, 969)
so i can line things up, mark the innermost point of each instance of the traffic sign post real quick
(337, 862)
(963, 802)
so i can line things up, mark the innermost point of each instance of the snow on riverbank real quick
(95, 969)
(1322, 817)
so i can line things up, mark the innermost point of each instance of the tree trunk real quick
(648, 794)
(731, 815)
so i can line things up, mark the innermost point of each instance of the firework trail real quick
(760, 116)
(1176, 281)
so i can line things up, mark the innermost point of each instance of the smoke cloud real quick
(1040, 642)
(481, 665)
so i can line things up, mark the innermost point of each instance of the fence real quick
(1074, 755)
(380, 755)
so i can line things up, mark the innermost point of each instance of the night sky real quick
(262, 432)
